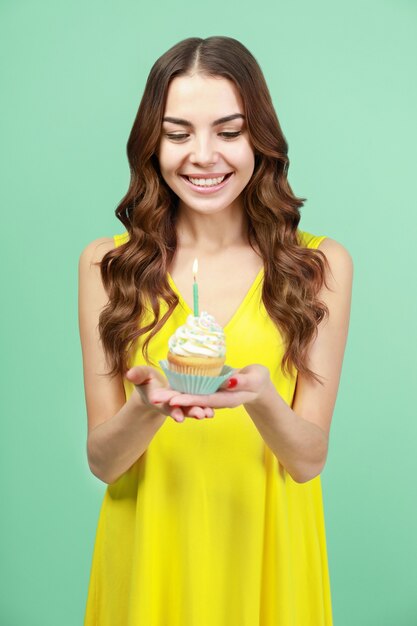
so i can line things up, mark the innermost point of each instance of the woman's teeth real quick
(206, 182)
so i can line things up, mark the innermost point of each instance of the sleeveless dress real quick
(207, 528)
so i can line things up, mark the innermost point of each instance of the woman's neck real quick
(211, 232)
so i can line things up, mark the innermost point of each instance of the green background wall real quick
(342, 77)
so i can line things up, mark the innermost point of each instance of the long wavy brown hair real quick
(135, 274)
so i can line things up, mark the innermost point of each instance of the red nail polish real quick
(232, 382)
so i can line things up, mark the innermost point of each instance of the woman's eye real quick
(175, 137)
(230, 135)
(181, 136)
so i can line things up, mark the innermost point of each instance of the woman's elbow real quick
(307, 474)
(98, 473)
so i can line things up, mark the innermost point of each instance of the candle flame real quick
(195, 267)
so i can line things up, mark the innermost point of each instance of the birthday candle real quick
(195, 287)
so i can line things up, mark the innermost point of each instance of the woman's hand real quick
(244, 387)
(149, 382)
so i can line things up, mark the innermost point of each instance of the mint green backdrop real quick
(342, 78)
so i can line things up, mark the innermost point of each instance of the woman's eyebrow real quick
(221, 120)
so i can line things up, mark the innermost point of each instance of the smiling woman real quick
(213, 154)
(213, 517)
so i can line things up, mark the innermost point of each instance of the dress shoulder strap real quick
(120, 239)
(308, 240)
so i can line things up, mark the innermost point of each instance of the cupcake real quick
(198, 347)
(196, 356)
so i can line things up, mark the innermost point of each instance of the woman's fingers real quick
(146, 378)
(200, 412)
(219, 400)
(140, 375)
(197, 412)
(242, 381)
(177, 414)
(242, 387)
(204, 401)
(194, 411)
(160, 395)
(147, 381)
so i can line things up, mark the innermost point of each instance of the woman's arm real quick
(300, 445)
(118, 431)
(298, 436)
(114, 445)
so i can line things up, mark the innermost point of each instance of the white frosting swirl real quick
(199, 336)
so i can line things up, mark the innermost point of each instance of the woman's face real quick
(197, 142)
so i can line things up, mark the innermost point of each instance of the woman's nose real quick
(203, 152)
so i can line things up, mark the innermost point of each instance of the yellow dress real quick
(207, 528)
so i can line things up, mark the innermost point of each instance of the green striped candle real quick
(195, 287)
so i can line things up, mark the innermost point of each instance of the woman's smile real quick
(206, 183)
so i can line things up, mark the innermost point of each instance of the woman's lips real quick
(207, 190)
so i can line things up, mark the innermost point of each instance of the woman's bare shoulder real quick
(340, 263)
(96, 249)
(335, 251)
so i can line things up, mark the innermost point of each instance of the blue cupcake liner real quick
(197, 385)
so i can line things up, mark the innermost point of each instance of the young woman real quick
(213, 512)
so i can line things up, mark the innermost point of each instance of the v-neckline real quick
(239, 309)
